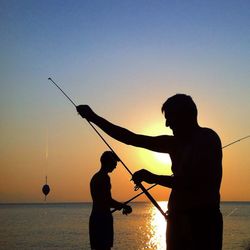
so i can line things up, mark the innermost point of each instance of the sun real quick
(159, 163)
(162, 158)
(158, 129)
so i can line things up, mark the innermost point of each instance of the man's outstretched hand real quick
(85, 111)
(143, 175)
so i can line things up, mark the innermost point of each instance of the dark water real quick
(65, 226)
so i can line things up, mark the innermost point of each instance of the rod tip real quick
(49, 78)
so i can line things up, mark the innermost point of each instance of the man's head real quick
(180, 112)
(109, 161)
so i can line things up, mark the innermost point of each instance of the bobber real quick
(46, 189)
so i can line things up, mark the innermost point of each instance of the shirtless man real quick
(194, 217)
(101, 230)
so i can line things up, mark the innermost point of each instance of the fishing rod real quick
(62, 91)
(144, 191)
(139, 185)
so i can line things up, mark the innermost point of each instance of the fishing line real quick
(232, 212)
(231, 143)
(46, 188)
(150, 197)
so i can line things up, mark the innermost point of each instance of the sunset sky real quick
(124, 59)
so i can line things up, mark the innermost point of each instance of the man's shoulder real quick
(208, 132)
(209, 135)
(100, 177)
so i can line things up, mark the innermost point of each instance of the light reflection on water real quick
(157, 230)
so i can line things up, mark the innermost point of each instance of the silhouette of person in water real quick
(101, 230)
(194, 217)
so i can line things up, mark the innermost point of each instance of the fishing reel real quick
(126, 210)
(136, 187)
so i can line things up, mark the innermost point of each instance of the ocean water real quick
(65, 226)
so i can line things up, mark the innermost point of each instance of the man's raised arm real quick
(161, 143)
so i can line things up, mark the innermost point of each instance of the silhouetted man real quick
(194, 217)
(101, 231)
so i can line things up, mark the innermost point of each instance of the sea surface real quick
(65, 226)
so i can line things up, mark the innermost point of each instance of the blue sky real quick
(124, 58)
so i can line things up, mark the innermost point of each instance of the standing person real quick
(101, 230)
(194, 217)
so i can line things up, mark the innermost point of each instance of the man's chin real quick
(178, 133)
(175, 132)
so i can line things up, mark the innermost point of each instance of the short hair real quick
(182, 104)
(107, 156)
